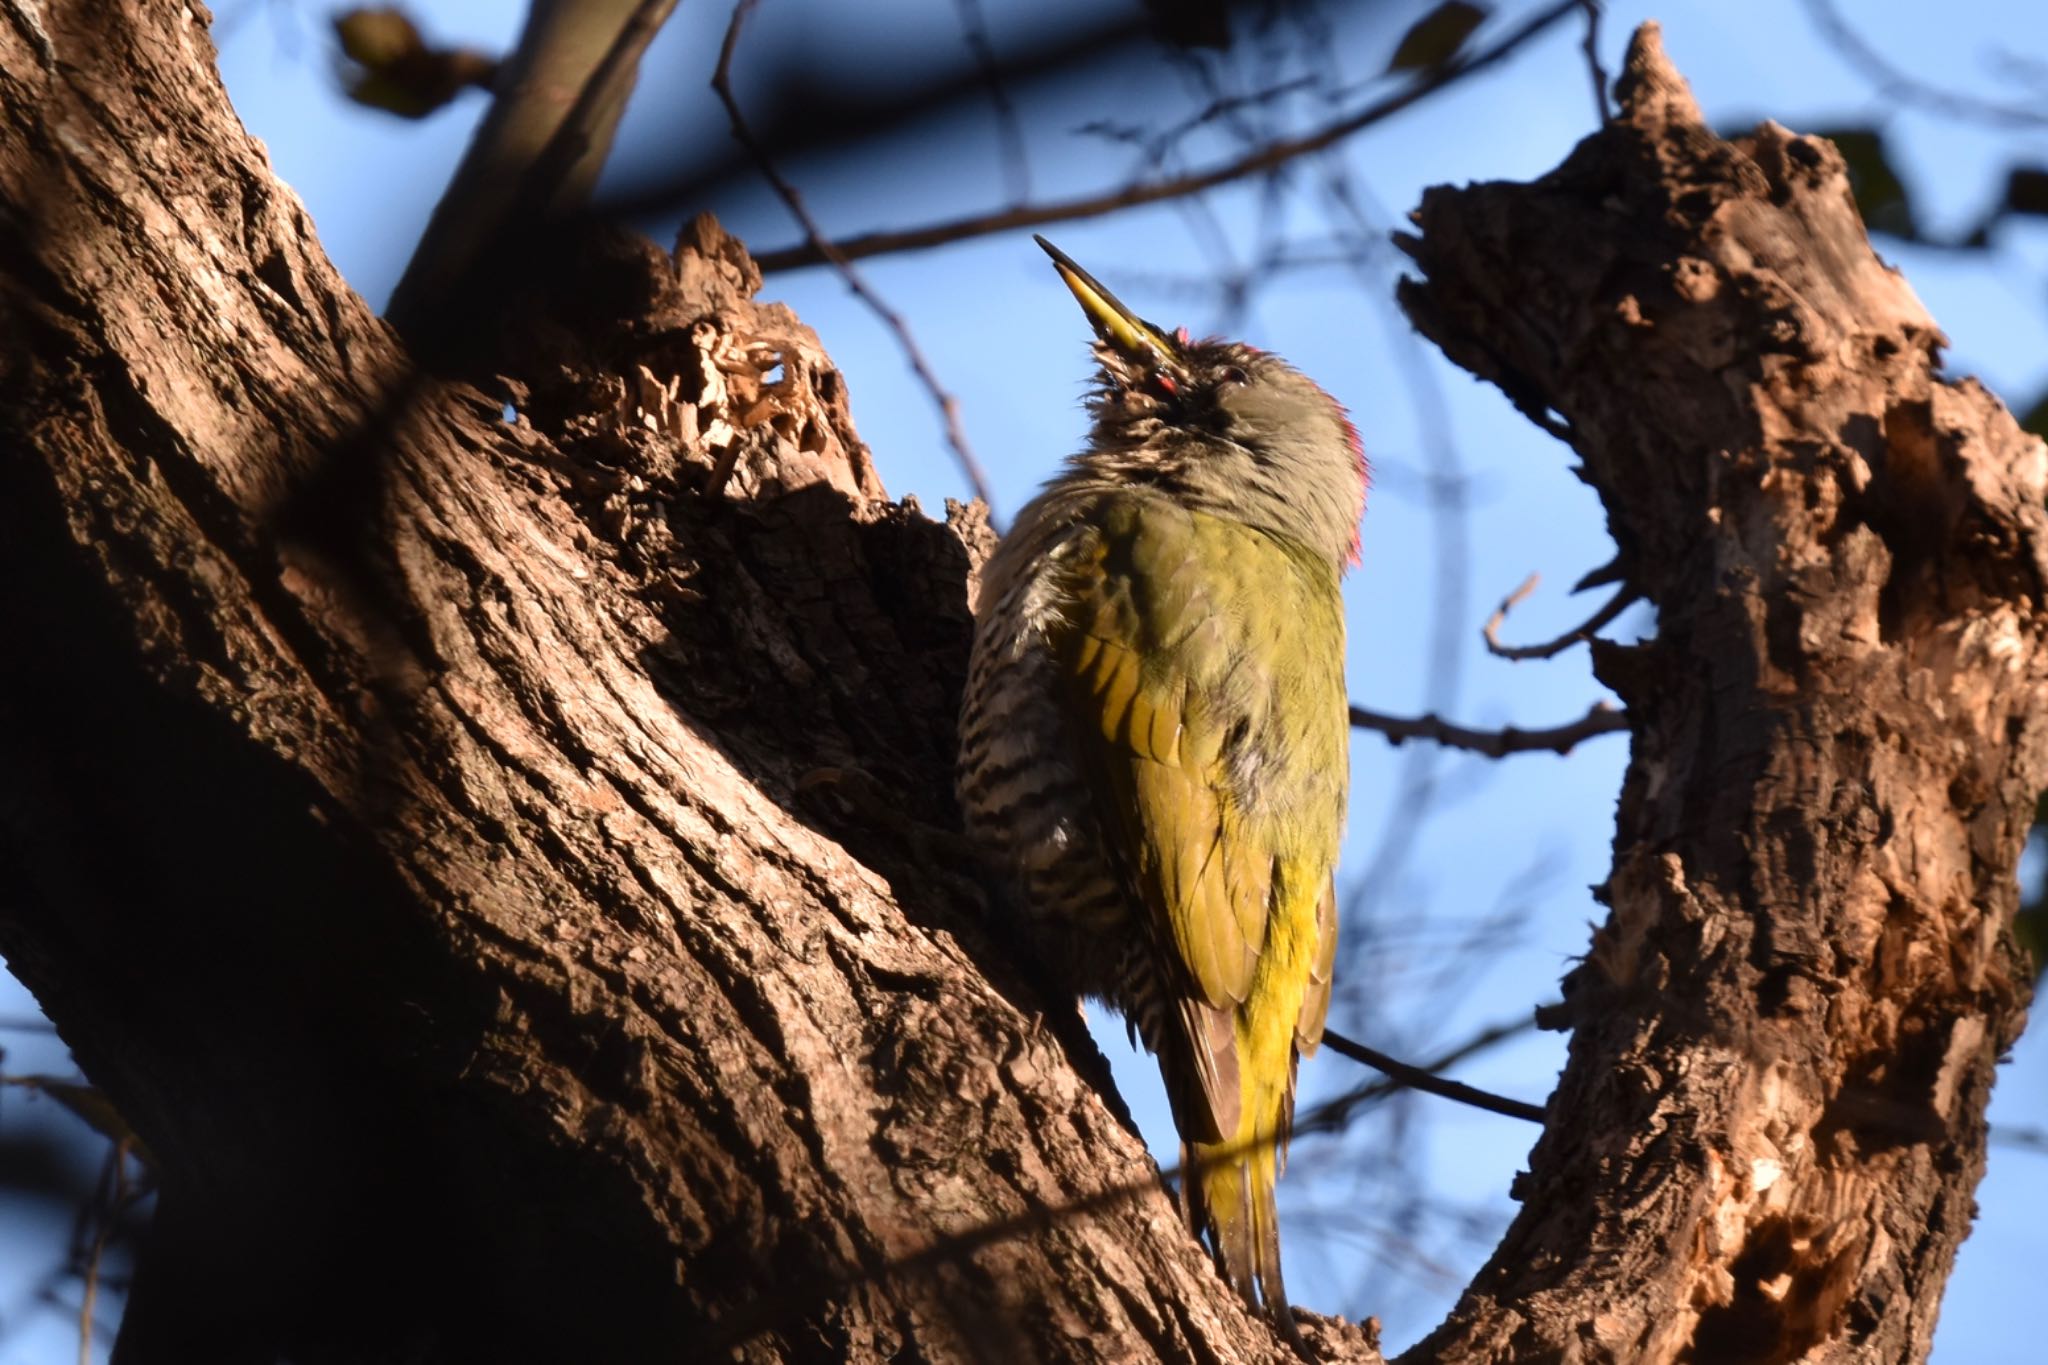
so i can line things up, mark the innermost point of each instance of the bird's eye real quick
(1234, 375)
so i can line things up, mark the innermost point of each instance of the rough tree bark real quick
(422, 824)
(1764, 1145)
(501, 867)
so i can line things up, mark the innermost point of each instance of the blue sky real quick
(1394, 1216)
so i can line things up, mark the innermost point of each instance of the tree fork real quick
(1764, 1145)
(413, 819)
(411, 816)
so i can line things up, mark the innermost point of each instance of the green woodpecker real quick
(1154, 740)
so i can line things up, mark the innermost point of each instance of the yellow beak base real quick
(1113, 322)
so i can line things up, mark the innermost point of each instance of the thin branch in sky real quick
(949, 408)
(1261, 159)
(1600, 719)
(1009, 131)
(1418, 1078)
(1157, 143)
(2019, 67)
(1902, 86)
(112, 1199)
(1363, 226)
(1335, 1114)
(1601, 108)
(1616, 604)
(2025, 1139)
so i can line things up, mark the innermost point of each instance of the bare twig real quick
(2025, 1139)
(1897, 84)
(1417, 1078)
(1508, 604)
(113, 1199)
(1601, 108)
(1156, 144)
(1616, 605)
(1600, 719)
(2017, 66)
(974, 29)
(1226, 105)
(1401, 1076)
(949, 409)
(1266, 158)
(1448, 490)
(89, 1300)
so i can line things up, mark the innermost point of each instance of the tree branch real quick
(1335, 1114)
(1615, 606)
(1408, 1077)
(1748, 996)
(1601, 109)
(2021, 1138)
(1898, 84)
(949, 408)
(535, 156)
(1009, 130)
(1600, 719)
(1263, 159)
(556, 899)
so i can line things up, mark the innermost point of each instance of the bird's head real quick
(1226, 427)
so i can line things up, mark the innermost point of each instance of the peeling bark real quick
(1764, 1145)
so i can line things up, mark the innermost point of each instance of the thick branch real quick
(408, 825)
(534, 158)
(1764, 1145)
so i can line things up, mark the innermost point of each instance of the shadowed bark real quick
(436, 832)
(504, 869)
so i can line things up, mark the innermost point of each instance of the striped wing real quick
(1166, 681)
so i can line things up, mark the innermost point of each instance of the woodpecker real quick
(1154, 736)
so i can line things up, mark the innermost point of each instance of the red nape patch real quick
(1180, 337)
(1351, 438)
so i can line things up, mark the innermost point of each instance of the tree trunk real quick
(502, 869)
(436, 833)
(1764, 1145)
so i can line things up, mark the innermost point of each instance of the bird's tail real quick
(1229, 1188)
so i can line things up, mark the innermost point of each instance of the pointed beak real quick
(1113, 322)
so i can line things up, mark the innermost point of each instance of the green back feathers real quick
(1218, 761)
